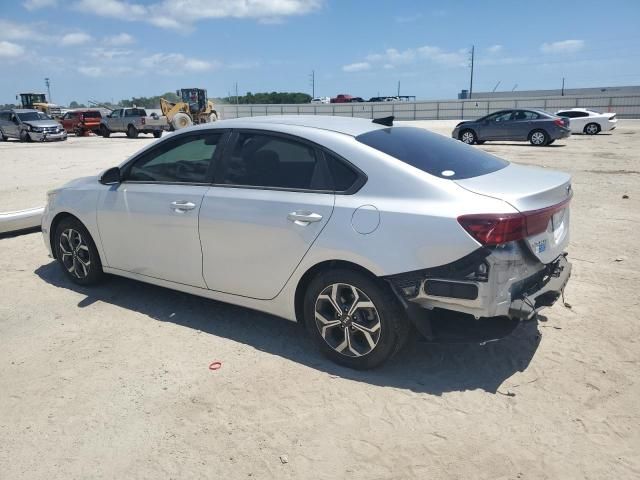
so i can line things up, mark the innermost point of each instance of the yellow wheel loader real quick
(193, 108)
(38, 101)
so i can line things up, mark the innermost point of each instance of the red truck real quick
(81, 121)
(342, 98)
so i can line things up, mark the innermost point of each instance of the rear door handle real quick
(304, 218)
(182, 206)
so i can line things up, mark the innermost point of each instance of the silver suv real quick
(29, 125)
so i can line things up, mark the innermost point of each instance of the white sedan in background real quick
(589, 121)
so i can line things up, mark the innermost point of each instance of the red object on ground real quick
(215, 365)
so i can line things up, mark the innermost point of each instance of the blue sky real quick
(114, 49)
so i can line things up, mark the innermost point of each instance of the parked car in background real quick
(321, 100)
(357, 100)
(341, 98)
(81, 121)
(589, 121)
(133, 121)
(29, 125)
(536, 126)
(355, 228)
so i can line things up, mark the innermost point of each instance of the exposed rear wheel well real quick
(54, 225)
(316, 270)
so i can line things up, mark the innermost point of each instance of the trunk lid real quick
(529, 190)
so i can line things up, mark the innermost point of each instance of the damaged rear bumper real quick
(505, 282)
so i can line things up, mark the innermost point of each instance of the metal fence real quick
(624, 106)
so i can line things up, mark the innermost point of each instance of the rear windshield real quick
(432, 153)
(92, 115)
(135, 112)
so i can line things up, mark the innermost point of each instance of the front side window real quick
(432, 153)
(260, 160)
(186, 159)
(115, 114)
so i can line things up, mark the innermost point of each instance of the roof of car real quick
(347, 125)
(24, 110)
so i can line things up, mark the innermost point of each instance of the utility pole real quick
(562, 93)
(312, 80)
(398, 89)
(48, 84)
(473, 52)
(236, 94)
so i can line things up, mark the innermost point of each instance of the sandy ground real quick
(113, 381)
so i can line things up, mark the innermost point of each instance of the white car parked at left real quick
(589, 121)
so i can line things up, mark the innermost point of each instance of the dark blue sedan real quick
(535, 126)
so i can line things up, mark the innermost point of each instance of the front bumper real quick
(47, 137)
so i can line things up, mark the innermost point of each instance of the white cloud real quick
(78, 38)
(177, 14)
(495, 49)
(9, 49)
(248, 65)
(408, 18)
(91, 71)
(20, 31)
(109, 53)
(357, 67)
(37, 4)
(119, 40)
(175, 63)
(564, 46)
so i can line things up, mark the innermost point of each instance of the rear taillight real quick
(496, 228)
(559, 122)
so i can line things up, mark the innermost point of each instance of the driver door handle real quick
(304, 218)
(181, 206)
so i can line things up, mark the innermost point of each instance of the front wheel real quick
(592, 129)
(157, 133)
(104, 131)
(538, 138)
(24, 136)
(354, 319)
(468, 137)
(77, 253)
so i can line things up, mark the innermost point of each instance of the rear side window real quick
(92, 115)
(135, 112)
(343, 176)
(259, 160)
(432, 153)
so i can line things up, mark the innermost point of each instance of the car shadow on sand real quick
(420, 367)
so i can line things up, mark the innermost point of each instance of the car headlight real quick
(35, 129)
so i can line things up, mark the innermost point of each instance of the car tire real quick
(157, 134)
(104, 131)
(76, 252)
(3, 137)
(132, 132)
(592, 128)
(468, 136)
(24, 136)
(539, 138)
(181, 120)
(356, 337)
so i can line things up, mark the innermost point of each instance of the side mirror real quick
(111, 176)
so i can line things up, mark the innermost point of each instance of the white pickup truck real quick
(132, 121)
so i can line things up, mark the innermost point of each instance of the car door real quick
(270, 202)
(4, 122)
(149, 222)
(578, 121)
(497, 126)
(521, 123)
(12, 128)
(115, 122)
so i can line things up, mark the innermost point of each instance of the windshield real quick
(432, 153)
(29, 116)
(43, 116)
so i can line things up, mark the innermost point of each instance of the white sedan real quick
(589, 121)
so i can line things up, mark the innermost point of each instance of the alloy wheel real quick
(347, 320)
(468, 138)
(537, 138)
(75, 253)
(592, 129)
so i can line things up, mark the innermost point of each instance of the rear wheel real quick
(77, 253)
(3, 137)
(157, 134)
(538, 138)
(592, 129)
(132, 132)
(354, 319)
(104, 131)
(468, 137)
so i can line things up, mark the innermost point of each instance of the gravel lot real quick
(113, 381)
